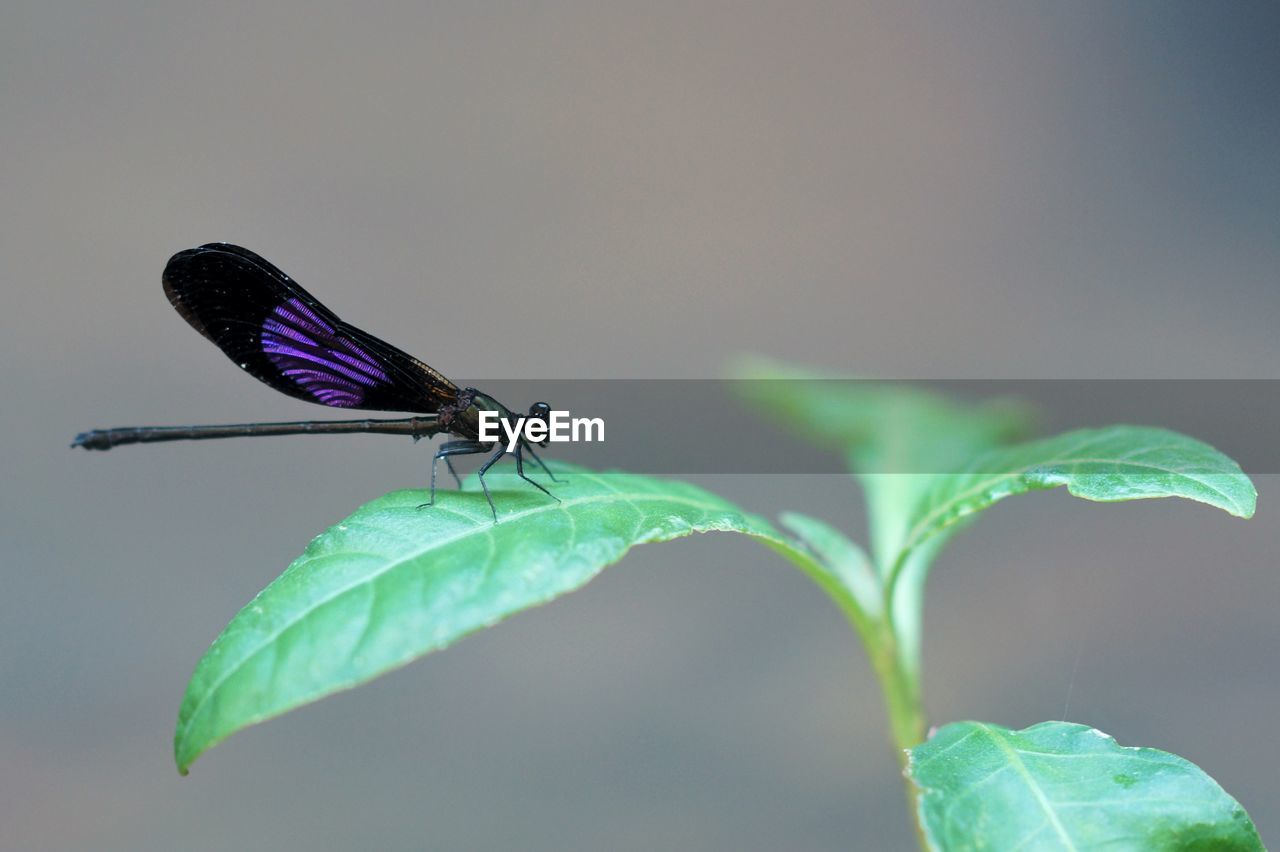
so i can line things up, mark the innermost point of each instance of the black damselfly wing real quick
(282, 335)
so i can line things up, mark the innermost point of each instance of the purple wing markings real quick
(306, 349)
(279, 329)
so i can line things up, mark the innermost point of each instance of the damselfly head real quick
(541, 411)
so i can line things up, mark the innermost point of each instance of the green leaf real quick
(894, 436)
(847, 575)
(392, 582)
(843, 558)
(1111, 464)
(886, 427)
(1058, 785)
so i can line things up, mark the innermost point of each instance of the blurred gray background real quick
(557, 190)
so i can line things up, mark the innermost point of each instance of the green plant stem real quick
(904, 709)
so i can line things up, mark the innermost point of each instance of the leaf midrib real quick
(1015, 761)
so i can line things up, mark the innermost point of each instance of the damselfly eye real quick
(540, 410)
